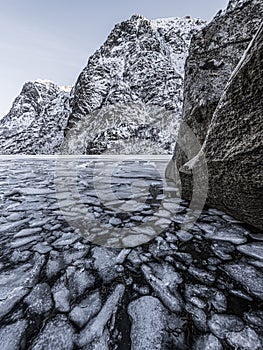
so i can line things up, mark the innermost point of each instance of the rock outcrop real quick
(213, 55)
(129, 97)
(233, 146)
(37, 119)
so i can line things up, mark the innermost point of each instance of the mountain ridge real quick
(140, 63)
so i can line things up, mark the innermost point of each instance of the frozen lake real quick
(95, 254)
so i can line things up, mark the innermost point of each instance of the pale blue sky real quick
(52, 39)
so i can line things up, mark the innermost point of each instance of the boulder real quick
(233, 145)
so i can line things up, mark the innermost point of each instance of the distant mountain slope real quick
(37, 119)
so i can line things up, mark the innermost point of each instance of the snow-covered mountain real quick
(128, 99)
(37, 119)
(122, 97)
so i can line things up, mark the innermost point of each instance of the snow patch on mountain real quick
(178, 32)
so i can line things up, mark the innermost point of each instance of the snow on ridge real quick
(178, 26)
(44, 81)
(177, 21)
(47, 82)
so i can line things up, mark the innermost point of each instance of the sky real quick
(52, 39)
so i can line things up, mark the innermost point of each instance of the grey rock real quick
(15, 284)
(223, 250)
(230, 219)
(228, 235)
(202, 296)
(42, 248)
(220, 325)
(11, 335)
(79, 280)
(115, 221)
(254, 317)
(198, 316)
(213, 55)
(7, 303)
(86, 309)
(66, 240)
(149, 321)
(75, 253)
(184, 236)
(19, 256)
(57, 334)
(96, 327)
(20, 242)
(142, 290)
(61, 295)
(198, 302)
(9, 227)
(256, 263)
(120, 86)
(219, 301)
(39, 222)
(15, 217)
(185, 257)
(105, 260)
(256, 236)
(247, 339)
(202, 275)
(233, 187)
(250, 277)
(164, 280)
(39, 301)
(55, 264)
(101, 343)
(208, 342)
(27, 232)
(255, 250)
(240, 294)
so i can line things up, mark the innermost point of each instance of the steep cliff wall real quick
(122, 95)
(213, 55)
(233, 147)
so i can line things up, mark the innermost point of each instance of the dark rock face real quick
(214, 53)
(37, 119)
(233, 146)
(140, 67)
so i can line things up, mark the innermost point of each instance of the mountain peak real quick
(141, 65)
(137, 17)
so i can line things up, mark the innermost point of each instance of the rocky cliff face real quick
(122, 97)
(233, 145)
(127, 100)
(37, 120)
(213, 55)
